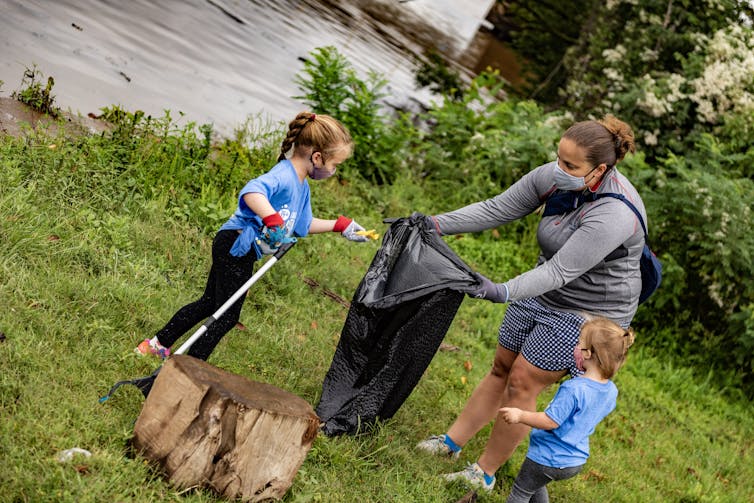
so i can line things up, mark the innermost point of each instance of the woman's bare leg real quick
(525, 382)
(482, 406)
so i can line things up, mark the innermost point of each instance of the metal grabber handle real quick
(239, 293)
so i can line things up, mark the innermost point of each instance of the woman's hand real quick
(487, 289)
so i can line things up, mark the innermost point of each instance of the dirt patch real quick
(16, 119)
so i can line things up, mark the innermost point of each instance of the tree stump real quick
(207, 427)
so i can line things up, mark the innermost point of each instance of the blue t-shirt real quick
(287, 194)
(578, 406)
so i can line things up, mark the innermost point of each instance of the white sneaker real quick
(436, 445)
(472, 475)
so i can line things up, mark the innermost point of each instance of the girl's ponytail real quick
(294, 130)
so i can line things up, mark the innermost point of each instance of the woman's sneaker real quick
(147, 347)
(437, 445)
(474, 476)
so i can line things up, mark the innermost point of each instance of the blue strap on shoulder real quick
(565, 202)
(630, 205)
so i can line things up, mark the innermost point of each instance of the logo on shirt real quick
(285, 213)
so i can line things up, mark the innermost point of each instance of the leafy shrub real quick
(476, 147)
(670, 69)
(330, 85)
(700, 215)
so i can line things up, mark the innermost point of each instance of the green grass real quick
(92, 263)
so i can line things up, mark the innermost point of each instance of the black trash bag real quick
(398, 317)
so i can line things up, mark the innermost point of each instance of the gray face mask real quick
(319, 173)
(564, 181)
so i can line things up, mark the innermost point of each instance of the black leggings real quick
(531, 482)
(226, 276)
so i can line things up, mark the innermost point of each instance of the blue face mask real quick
(564, 181)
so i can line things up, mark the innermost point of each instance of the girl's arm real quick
(319, 226)
(538, 420)
(259, 204)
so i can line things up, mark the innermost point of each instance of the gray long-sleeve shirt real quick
(572, 273)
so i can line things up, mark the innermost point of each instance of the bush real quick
(670, 69)
(700, 216)
(477, 146)
(330, 85)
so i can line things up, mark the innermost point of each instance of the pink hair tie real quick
(314, 116)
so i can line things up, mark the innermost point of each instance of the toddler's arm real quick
(538, 420)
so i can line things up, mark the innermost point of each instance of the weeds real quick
(95, 262)
(105, 236)
(33, 94)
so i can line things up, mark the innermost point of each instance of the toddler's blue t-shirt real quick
(288, 195)
(578, 406)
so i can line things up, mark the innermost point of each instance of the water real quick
(218, 61)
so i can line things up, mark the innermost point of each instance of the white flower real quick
(650, 138)
(614, 55)
(612, 74)
(727, 82)
(674, 83)
(648, 54)
(559, 121)
(653, 105)
(611, 4)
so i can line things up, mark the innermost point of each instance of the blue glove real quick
(494, 292)
(274, 237)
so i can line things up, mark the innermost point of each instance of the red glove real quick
(341, 223)
(274, 220)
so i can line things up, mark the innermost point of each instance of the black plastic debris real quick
(398, 317)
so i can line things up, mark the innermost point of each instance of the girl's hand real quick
(349, 229)
(354, 232)
(511, 415)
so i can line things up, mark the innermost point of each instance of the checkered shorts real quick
(544, 337)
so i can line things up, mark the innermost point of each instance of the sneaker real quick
(473, 476)
(147, 347)
(436, 445)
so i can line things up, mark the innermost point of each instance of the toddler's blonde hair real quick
(608, 342)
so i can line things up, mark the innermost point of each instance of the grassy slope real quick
(83, 279)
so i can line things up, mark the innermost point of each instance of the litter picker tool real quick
(145, 383)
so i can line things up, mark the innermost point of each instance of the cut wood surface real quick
(208, 427)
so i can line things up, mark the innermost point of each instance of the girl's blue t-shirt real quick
(578, 406)
(287, 194)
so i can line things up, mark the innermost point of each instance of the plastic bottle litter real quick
(67, 454)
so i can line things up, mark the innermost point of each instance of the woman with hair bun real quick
(590, 248)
